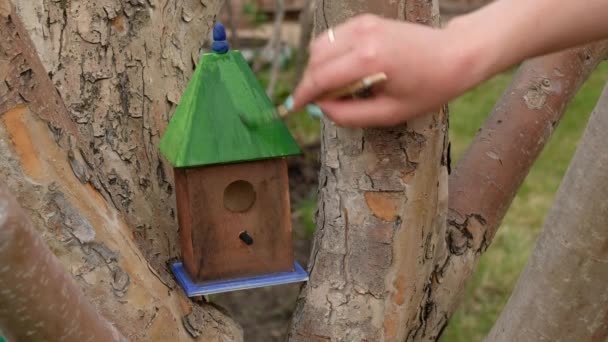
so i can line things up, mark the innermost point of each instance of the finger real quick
(346, 37)
(332, 75)
(323, 49)
(379, 111)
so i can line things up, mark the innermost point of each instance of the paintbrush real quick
(359, 89)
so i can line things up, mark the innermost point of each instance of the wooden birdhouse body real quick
(218, 204)
(231, 181)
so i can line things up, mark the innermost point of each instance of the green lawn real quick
(499, 268)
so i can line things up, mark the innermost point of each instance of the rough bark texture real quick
(493, 168)
(562, 290)
(39, 301)
(382, 207)
(79, 151)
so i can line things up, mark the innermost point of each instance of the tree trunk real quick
(79, 152)
(382, 211)
(563, 289)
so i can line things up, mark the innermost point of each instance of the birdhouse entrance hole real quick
(239, 196)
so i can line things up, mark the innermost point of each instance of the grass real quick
(489, 288)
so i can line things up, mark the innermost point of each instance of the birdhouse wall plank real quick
(224, 219)
(184, 217)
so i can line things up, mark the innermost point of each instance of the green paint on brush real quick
(206, 127)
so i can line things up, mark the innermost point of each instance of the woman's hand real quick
(425, 69)
(428, 67)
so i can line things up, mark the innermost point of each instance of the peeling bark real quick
(563, 288)
(79, 151)
(382, 207)
(495, 165)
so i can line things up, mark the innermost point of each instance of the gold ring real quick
(331, 34)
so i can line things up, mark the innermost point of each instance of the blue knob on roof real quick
(220, 44)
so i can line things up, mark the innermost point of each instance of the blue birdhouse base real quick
(220, 286)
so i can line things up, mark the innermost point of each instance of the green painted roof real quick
(206, 128)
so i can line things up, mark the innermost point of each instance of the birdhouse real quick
(231, 181)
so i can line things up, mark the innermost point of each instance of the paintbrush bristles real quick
(282, 111)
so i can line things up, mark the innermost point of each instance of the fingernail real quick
(289, 103)
(314, 111)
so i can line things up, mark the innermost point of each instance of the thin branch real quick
(276, 39)
(495, 165)
(306, 27)
(39, 301)
(234, 35)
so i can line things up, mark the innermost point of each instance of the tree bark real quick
(495, 165)
(382, 210)
(562, 290)
(79, 151)
(38, 300)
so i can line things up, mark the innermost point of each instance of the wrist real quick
(472, 57)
